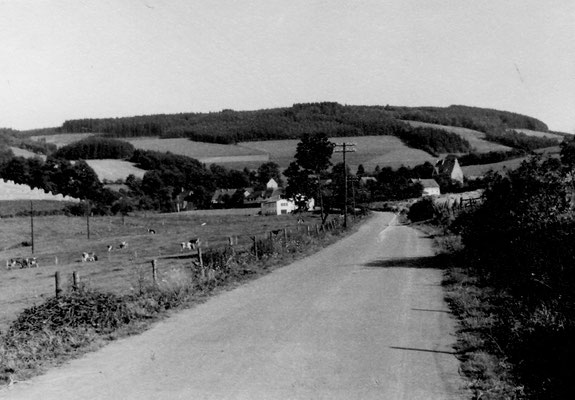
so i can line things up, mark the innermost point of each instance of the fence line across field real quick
(249, 241)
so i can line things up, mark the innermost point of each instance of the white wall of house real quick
(277, 207)
(431, 191)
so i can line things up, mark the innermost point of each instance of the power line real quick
(345, 148)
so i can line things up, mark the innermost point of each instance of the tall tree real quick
(312, 160)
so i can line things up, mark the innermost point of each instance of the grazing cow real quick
(89, 257)
(192, 244)
(110, 248)
(23, 262)
(151, 231)
(300, 220)
(123, 245)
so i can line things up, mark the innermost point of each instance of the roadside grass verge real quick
(83, 319)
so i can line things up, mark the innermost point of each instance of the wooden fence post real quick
(57, 282)
(200, 259)
(317, 230)
(308, 230)
(56, 260)
(255, 239)
(76, 280)
(154, 272)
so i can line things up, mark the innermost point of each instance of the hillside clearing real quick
(385, 151)
(529, 132)
(62, 139)
(26, 154)
(198, 150)
(113, 170)
(475, 138)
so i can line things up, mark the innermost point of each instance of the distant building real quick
(448, 167)
(277, 207)
(272, 184)
(430, 187)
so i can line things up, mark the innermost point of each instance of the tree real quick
(305, 174)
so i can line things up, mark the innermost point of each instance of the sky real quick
(70, 59)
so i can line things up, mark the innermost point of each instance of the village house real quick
(430, 186)
(448, 167)
(277, 207)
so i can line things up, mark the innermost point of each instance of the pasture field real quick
(10, 208)
(385, 151)
(204, 152)
(529, 132)
(26, 154)
(62, 139)
(475, 138)
(113, 170)
(60, 241)
(478, 170)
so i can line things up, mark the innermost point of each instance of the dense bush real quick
(520, 242)
(520, 140)
(96, 147)
(489, 157)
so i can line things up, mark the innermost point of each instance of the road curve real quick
(362, 319)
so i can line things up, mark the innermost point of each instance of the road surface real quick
(362, 319)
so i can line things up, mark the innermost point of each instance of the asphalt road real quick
(363, 319)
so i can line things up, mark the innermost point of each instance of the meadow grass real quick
(84, 318)
(114, 170)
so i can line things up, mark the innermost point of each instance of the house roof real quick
(446, 165)
(427, 183)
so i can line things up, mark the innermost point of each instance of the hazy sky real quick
(72, 59)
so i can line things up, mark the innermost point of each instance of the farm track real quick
(362, 319)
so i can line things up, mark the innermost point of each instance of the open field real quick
(475, 138)
(10, 208)
(205, 152)
(25, 153)
(478, 170)
(113, 170)
(60, 241)
(529, 132)
(62, 139)
(385, 151)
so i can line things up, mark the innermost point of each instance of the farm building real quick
(430, 186)
(272, 184)
(278, 207)
(449, 167)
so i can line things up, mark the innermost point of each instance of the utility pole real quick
(345, 148)
(88, 209)
(32, 224)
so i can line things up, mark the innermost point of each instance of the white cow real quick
(191, 244)
(123, 245)
(89, 257)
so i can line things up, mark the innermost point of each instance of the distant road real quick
(362, 319)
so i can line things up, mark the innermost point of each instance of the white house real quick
(272, 184)
(277, 207)
(430, 187)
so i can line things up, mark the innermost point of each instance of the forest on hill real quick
(332, 119)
